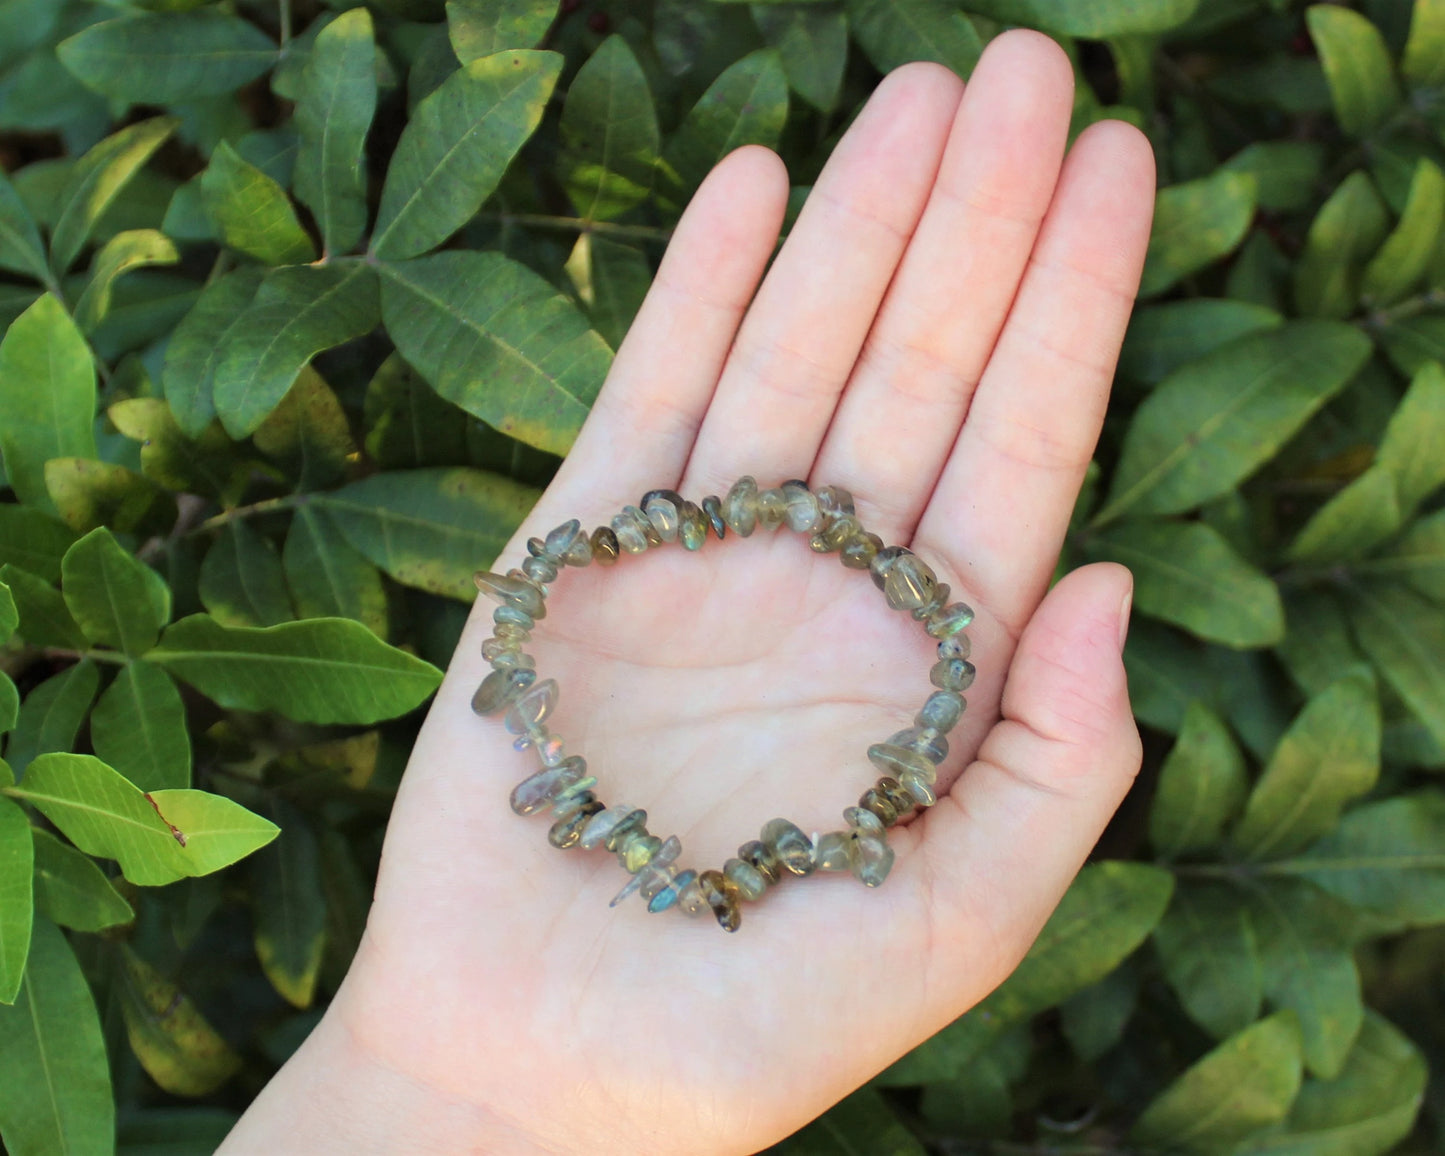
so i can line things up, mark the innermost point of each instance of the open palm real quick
(937, 335)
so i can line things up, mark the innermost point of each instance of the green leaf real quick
(1201, 785)
(139, 728)
(208, 465)
(17, 897)
(178, 1049)
(1240, 1088)
(1305, 941)
(44, 619)
(96, 181)
(1410, 449)
(195, 348)
(1163, 338)
(430, 528)
(1094, 19)
(131, 249)
(1166, 674)
(747, 104)
(289, 908)
(115, 598)
(89, 494)
(620, 276)
(1423, 62)
(609, 134)
(1346, 231)
(1405, 639)
(47, 397)
(1318, 647)
(297, 313)
(1352, 523)
(1357, 64)
(329, 579)
(323, 670)
(33, 541)
(862, 1122)
(252, 212)
(333, 114)
(21, 250)
(1195, 224)
(168, 57)
(103, 814)
(56, 1096)
(9, 703)
(1187, 574)
(51, 714)
(812, 43)
(498, 340)
(1094, 1020)
(481, 27)
(1329, 756)
(1285, 172)
(9, 615)
(1418, 558)
(1401, 262)
(407, 424)
(1206, 944)
(242, 583)
(1107, 912)
(308, 433)
(71, 890)
(1216, 420)
(894, 32)
(1386, 858)
(217, 831)
(1367, 1109)
(457, 145)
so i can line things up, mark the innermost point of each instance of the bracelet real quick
(909, 759)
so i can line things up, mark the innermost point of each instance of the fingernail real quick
(1124, 608)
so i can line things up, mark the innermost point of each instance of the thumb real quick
(1003, 845)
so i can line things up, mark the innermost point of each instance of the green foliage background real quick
(301, 303)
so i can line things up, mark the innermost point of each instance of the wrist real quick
(334, 1096)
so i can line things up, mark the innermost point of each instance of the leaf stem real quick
(1377, 319)
(285, 22)
(266, 506)
(581, 225)
(112, 656)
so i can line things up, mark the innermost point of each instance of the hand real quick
(937, 335)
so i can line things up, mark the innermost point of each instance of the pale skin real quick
(937, 334)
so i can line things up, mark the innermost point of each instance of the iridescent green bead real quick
(956, 647)
(740, 507)
(834, 502)
(512, 590)
(673, 892)
(835, 534)
(501, 688)
(690, 899)
(746, 878)
(663, 514)
(862, 819)
(580, 553)
(692, 526)
(600, 829)
(801, 507)
(560, 541)
(952, 674)
(511, 632)
(533, 707)
(535, 547)
(920, 787)
(566, 831)
(895, 792)
(513, 660)
(772, 509)
(880, 805)
(925, 740)
(947, 622)
(538, 790)
(882, 562)
(834, 851)
(793, 849)
(631, 527)
(721, 894)
(909, 583)
(513, 616)
(633, 822)
(895, 761)
(934, 604)
(637, 852)
(495, 646)
(872, 859)
(858, 552)
(942, 711)
(712, 509)
(604, 545)
(756, 854)
(575, 797)
(659, 864)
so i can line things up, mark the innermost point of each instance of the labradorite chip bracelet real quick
(909, 759)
